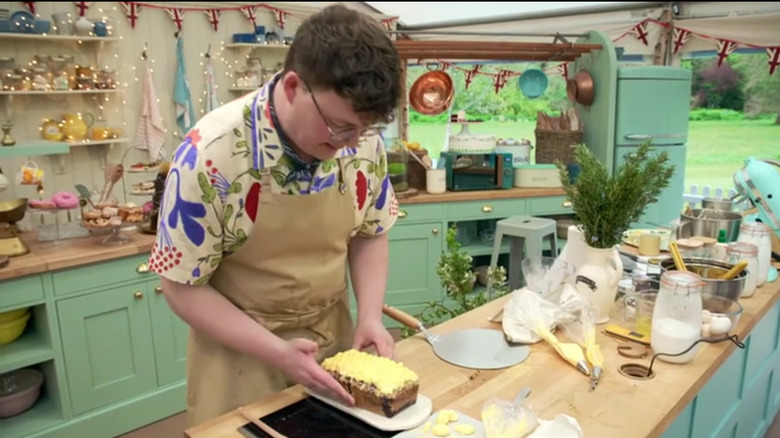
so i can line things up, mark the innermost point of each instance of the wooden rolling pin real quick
(733, 272)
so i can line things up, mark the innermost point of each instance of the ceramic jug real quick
(599, 271)
(83, 26)
(75, 128)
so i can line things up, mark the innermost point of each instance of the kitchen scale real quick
(311, 418)
(11, 212)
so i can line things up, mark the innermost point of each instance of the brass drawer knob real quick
(143, 268)
(401, 214)
(158, 289)
(138, 295)
(487, 209)
(435, 231)
(566, 204)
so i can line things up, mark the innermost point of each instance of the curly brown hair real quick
(348, 52)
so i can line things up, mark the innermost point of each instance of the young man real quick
(267, 200)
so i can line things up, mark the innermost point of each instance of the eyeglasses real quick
(342, 133)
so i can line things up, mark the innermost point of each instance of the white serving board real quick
(409, 418)
(417, 432)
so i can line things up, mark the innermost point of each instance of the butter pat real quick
(440, 430)
(446, 416)
(465, 429)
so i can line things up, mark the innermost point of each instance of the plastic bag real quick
(503, 419)
(527, 309)
(30, 174)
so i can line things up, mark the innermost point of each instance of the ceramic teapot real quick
(75, 128)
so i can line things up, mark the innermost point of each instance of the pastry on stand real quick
(150, 225)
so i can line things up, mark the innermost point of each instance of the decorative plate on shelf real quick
(631, 237)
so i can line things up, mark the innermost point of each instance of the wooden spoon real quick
(116, 174)
(733, 272)
(677, 257)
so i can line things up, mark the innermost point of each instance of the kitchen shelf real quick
(29, 349)
(47, 37)
(35, 148)
(257, 46)
(56, 93)
(100, 142)
(42, 415)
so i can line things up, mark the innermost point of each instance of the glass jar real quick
(26, 75)
(70, 68)
(105, 79)
(60, 81)
(759, 234)
(85, 82)
(241, 78)
(397, 170)
(738, 251)
(677, 316)
(12, 82)
(40, 81)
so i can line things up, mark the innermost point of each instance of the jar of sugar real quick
(677, 317)
(759, 234)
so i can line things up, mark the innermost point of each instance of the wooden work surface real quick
(46, 256)
(619, 404)
(478, 195)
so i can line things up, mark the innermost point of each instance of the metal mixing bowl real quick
(722, 204)
(708, 268)
(708, 223)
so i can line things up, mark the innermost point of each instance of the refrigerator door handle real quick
(652, 136)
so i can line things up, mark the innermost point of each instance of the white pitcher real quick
(598, 272)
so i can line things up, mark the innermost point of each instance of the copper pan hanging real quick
(580, 88)
(432, 93)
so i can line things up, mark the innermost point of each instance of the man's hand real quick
(299, 361)
(373, 334)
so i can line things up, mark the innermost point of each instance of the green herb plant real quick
(458, 279)
(606, 205)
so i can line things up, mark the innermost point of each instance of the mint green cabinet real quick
(414, 253)
(171, 335)
(106, 340)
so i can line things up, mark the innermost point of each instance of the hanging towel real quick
(150, 131)
(185, 115)
(212, 102)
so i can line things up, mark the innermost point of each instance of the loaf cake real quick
(378, 384)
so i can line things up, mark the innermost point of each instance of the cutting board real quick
(417, 432)
(409, 418)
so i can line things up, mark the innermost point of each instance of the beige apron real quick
(290, 276)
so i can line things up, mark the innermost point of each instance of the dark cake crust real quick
(366, 396)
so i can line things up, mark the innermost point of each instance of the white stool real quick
(526, 234)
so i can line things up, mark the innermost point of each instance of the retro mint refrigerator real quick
(653, 102)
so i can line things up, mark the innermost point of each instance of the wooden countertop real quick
(478, 195)
(646, 407)
(46, 256)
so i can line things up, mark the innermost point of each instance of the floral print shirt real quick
(213, 188)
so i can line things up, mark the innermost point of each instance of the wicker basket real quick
(552, 146)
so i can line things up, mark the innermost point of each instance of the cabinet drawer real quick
(21, 291)
(111, 272)
(419, 212)
(487, 209)
(550, 205)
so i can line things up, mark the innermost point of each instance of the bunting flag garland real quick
(774, 58)
(500, 79)
(470, 74)
(82, 7)
(725, 48)
(640, 32)
(389, 23)
(177, 16)
(681, 36)
(131, 12)
(250, 12)
(281, 16)
(213, 16)
(30, 7)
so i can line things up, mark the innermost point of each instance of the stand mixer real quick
(759, 182)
